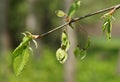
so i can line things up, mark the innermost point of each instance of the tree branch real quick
(53, 30)
(97, 12)
(79, 18)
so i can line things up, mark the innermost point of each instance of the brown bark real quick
(69, 67)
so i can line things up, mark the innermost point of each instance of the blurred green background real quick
(102, 63)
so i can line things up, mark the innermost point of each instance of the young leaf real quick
(20, 60)
(80, 53)
(104, 26)
(61, 55)
(60, 13)
(109, 28)
(21, 54)
(65, 41)
(73, 8)
(107, 25)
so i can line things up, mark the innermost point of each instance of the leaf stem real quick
(79, 18)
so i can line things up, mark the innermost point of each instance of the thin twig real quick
(79, 18)
(97, 12)
(53, 30)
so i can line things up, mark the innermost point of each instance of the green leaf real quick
(81, 53)
(60, 13)
(104, 26)
(73, 8)
(21, 54)
(84, 43)
(20, 61)
(65, 41)
(87, 43)
(61, 55)
(107, 26)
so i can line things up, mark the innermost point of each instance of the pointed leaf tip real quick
(73, 8)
